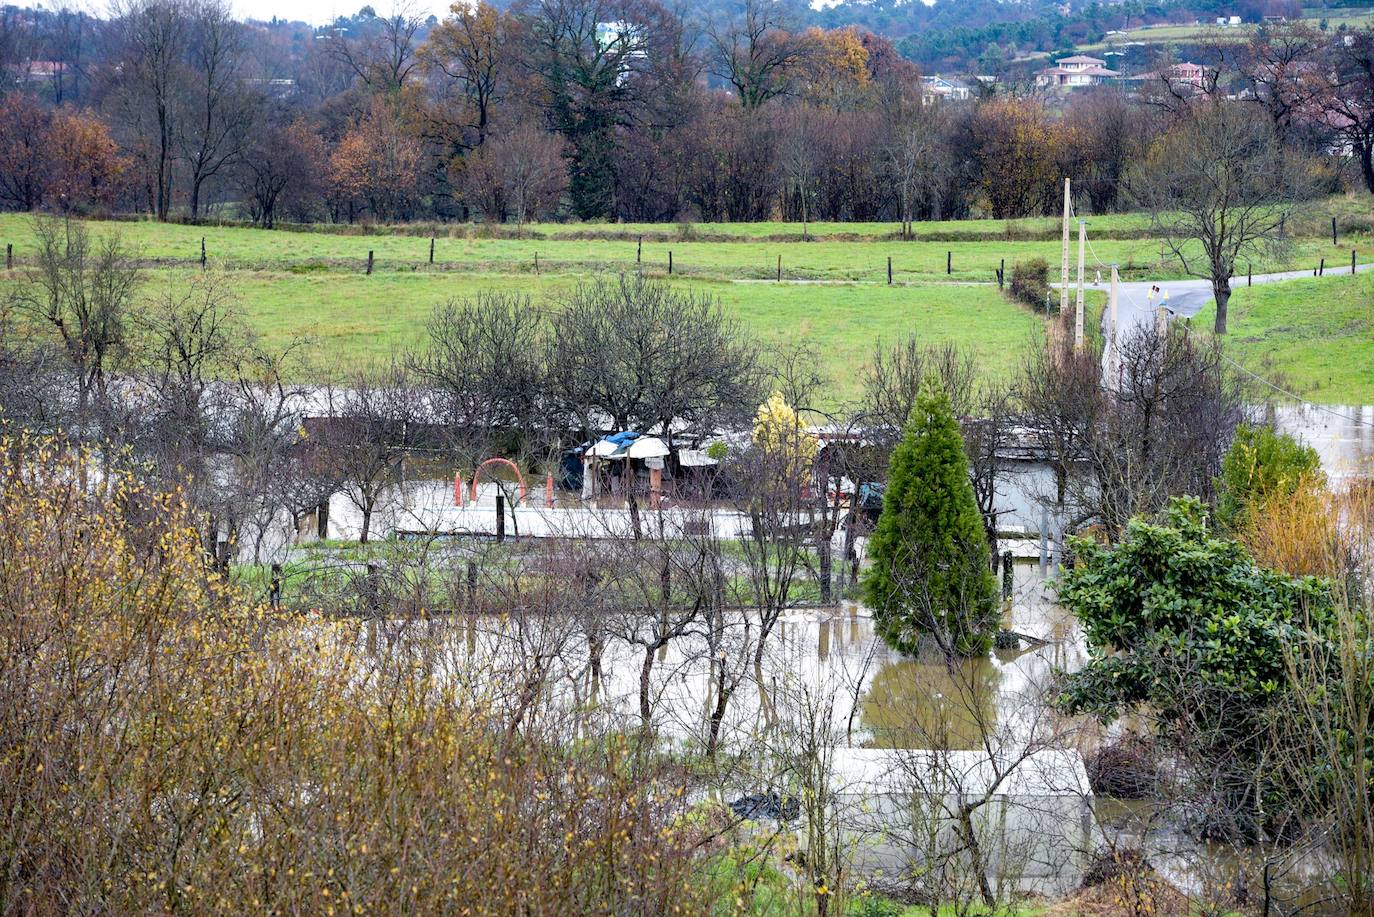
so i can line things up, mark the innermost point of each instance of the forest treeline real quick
(595, 109)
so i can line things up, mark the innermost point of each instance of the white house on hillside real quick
(1078, 70)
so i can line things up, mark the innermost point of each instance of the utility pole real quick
(1078, 307)
(1112, 351)
(1064, 261)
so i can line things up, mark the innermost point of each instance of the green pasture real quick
(748, 258)
(1313, 336)
(351, 319)
(1207, 30)
(834, 295)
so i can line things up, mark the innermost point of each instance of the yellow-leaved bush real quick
(168, 744)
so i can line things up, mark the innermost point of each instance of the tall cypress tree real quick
(931, 575)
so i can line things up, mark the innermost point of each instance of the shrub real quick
(1262, 465)
(1030, 282)
(166, 745)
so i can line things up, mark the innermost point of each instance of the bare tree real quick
(81, 290)
(1349, 100)
(756, 53)
(213, 129)
(645, 355)
(154, 34)
(367, 435)
(387, 57)
(920, 158)
(1220, 180)
(482, 362)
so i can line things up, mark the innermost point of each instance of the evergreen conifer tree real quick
(931, 575)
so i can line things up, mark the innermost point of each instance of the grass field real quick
(748, 258)
(354, 317)
(1313, 336)
(1208, 30)
(834, 293)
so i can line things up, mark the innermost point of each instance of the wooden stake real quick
(9, 256)
(369, 261)
(779, 268)
(670, 261)
(1321, 268)
(639, 250)
(431, 249)
(889, 270)
(536, 262)
(1333, 230)
(1352, 261)
(202, 253)
(949, 262)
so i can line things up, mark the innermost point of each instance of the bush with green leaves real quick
(931, 576)
(1185, 626)
(1260, 465)
(1030, 282)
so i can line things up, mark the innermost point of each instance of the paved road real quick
(1188, 297)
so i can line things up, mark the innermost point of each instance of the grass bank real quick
(1313, 336)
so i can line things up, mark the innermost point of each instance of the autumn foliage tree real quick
(378, 163)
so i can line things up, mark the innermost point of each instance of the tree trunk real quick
(646, 669)
(367, 523)
(823, 549)
(1366, 154)
(1221, 291)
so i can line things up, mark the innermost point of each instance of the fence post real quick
(779, 268)
(639, 250)
(670, 261)
(889, 270)
(1002, 273)
(1321, 268)
(202, 253)
(1333, 230)
(431, 249)
(369, 261)
(9, 256)
(373, 593)
(536, 262)
(1249, 277)
(1352, 261)
(949, 262)
(500, 518)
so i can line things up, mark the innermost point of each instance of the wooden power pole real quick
(1113, 352)
(1064, 261)
(1078, 306)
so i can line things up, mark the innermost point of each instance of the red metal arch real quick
(476, 475)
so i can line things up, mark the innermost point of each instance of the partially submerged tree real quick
(1187, 626)
(1219, 187)
(1262, 464)
(931, 575)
